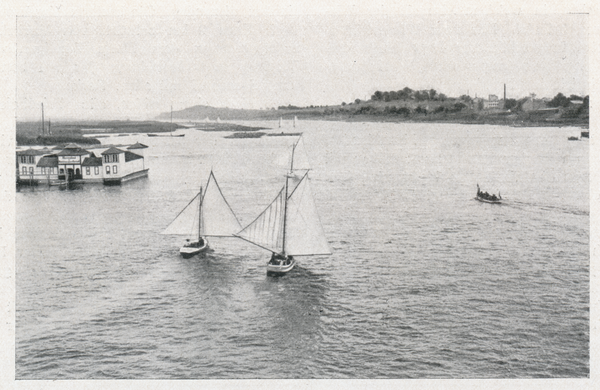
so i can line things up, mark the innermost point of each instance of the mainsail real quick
(303, 231)
(207, 214)
(266, 230)
(218, 219)
(187, 221)
(295, 232)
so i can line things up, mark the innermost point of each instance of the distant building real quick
(92, 169)
(491, 103)
(532, 104)
(72, 163)
(122, 165)
(27, 165)
(69, 162)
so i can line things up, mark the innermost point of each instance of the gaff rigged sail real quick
(266, 230)
(207, 214)
(303, 231)
(187, 221)
(218, 219)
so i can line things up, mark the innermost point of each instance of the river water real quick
(424, 281)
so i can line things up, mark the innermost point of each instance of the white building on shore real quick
(73, 163)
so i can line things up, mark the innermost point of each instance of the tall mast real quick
(200, 215)
(43, 130)
(287, 177)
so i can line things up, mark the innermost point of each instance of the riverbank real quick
(450, 111)
(87, 133)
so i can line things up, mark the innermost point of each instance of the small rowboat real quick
(487, 198)
(497, 201)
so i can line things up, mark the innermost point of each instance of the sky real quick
(136, 67)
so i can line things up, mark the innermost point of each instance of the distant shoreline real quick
(67, 132)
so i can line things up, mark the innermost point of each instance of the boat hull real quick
(280, 269)
(499, 201)
(189, 250)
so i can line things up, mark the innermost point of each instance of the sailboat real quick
(171, 133)
(208, 214)
(282, 134)
(290, 225)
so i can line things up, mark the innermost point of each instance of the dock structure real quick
(73, 164)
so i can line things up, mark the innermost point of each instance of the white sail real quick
(214, 217)
(187, 222)
(290, 225)
(266, 230)
(303, 231)
(299, 158)
(218, 218)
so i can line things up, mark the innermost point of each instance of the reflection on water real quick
(423, 282)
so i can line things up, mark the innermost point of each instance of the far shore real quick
(28, 133)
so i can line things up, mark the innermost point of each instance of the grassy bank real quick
(447, 111)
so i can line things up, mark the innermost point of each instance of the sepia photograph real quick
(300, 196)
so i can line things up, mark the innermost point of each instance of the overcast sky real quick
(136, 67)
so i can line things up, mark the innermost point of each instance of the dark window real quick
(106, 158)
(24, 170)
(62, 171)
(31, 170)
(96, 170)
(115, 158)
(23, 159)
(114, 169)
(87, 171)
(108, 169)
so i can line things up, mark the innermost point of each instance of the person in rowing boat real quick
(275, 260)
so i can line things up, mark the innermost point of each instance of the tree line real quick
(408, 93)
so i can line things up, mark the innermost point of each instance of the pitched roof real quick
(48, 161)
(30, 152)
(73, 152)
(113, 150)
(129, 156)
(92, 162)
(137, 145)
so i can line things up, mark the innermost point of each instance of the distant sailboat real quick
(290, 225)
(170, 133)
(281, 134)
(207, 215)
